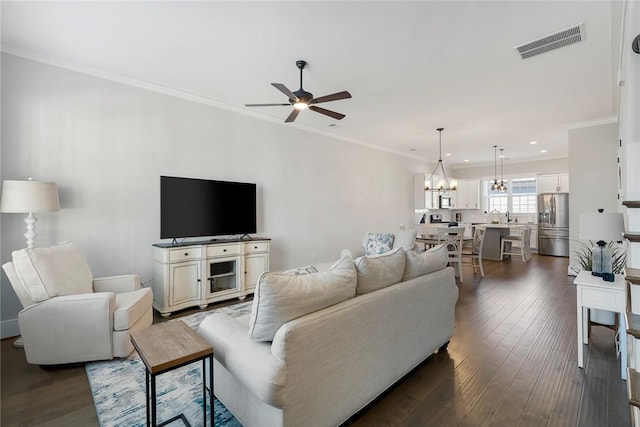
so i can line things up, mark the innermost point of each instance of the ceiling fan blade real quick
(333, 97)
(292, 116)
(282, 88)
(337, 116)
(266, 105)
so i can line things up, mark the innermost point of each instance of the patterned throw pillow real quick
(309, 269)
(378, 243)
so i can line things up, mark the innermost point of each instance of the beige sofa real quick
(321, 368)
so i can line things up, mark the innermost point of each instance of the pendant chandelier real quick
(501, 188)
(495, 184)
(443, 184)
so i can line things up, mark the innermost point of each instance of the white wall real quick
(593, 178)
(106, 144)
(514, 169)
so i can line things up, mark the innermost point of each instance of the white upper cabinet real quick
(553, 183)
(467, 194)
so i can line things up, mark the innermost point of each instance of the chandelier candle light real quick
(444, 184)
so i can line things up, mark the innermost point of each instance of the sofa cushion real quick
(130, 307)
(281, 297)
(429, 261)
(51, 271)
(378, 243)
(377, 272)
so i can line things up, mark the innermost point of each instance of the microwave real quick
(445, 202)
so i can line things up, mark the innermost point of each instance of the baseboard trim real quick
(9, 328)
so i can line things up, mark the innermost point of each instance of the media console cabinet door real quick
(254, 266)
(185, 280)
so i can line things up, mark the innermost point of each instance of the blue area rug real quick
(119, 391)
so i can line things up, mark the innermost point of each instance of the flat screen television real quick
(192, 207)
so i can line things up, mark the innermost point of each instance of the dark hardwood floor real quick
(512, 362)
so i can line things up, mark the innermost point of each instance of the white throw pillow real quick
(377, 272)
(378, 243)
(432, 260)
(52, 271)
(405, 239)
(281, 297)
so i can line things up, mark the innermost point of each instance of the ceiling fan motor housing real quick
(303, 96)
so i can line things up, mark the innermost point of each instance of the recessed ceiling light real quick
(448, 154)
(543, 151)
(533, 142)
(413, 149)
(466, 160)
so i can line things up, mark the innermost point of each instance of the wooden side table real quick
(167, 346)
(593, 292)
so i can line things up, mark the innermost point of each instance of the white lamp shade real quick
(29, 197)
(601, 226)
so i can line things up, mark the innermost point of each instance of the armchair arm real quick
(117, 284)
(68, 329)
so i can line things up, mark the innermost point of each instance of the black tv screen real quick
(199, 207)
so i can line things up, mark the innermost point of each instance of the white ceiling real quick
(411, 66)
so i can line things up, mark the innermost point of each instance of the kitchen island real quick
(492, 238)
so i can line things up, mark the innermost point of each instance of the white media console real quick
(199, 273)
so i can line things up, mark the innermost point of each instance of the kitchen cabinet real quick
(553, 183)
(424, 199)
(467, 196)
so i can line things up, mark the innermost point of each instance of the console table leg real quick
(211, 396)
(146, 393)
(153, 400)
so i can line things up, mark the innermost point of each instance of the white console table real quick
(199, 273)
(593, 292)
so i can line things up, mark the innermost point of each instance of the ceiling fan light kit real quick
(302, 100)
(443, 185)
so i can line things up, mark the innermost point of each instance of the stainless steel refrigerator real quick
(553, 224)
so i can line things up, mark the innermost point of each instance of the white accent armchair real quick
(69, 316)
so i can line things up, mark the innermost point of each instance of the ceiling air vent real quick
(553, 41)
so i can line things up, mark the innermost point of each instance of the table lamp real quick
(29, 197)
(601, 227)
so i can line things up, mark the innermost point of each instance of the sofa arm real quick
(117, 284)
(251, 362)
(68, 329)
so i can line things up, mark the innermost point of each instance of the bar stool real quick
(518, 243)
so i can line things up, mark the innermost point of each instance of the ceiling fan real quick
(301, 99)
